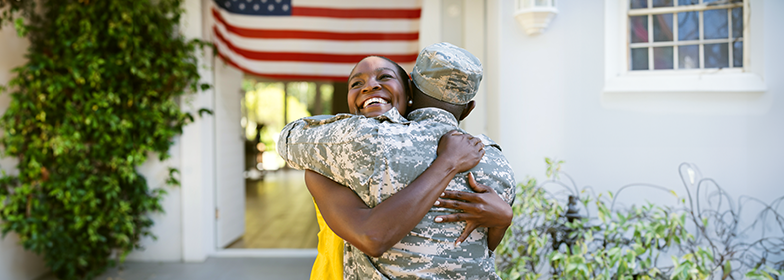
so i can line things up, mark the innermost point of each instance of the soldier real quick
(380, 154)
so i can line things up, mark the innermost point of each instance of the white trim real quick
(197, 161)
(474, 37)
(618, 77)
(265, 253)
(492, 68)
(725, 82)
(681, 9)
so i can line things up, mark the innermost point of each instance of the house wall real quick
(550, 104)
(543, 99)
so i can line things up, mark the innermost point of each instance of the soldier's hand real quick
(485, 208)
(462, 150)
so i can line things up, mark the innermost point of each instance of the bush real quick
(98, 93)
(550, 240)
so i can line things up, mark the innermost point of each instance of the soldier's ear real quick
(467, 109)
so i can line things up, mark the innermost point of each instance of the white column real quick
(492, 69)
(474, 41)
(197, 154)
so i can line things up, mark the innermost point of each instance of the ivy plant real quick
(99, 93)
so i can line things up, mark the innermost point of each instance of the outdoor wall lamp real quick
(534, 15)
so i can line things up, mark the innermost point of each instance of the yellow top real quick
(329, 261)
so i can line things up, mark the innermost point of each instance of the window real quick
(685, 34)
(683, 46)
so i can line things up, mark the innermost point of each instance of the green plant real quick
(99, 92)
(549, 240)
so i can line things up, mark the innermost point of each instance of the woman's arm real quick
(485, 208)
(375, 230)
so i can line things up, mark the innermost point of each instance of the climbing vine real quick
(98, 94)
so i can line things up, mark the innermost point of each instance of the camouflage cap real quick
(447, 73)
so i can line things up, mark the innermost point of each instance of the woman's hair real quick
(400, 72)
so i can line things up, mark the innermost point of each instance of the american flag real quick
(314, 39)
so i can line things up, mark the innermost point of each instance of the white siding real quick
(551, 104)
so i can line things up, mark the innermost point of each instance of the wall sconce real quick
(534, 15)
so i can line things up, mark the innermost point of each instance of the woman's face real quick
(375, 87)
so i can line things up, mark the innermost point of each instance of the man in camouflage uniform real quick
(377, 157)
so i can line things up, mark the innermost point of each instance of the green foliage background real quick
(98, 93)
(622, 243)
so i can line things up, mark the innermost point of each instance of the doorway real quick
(279, 211)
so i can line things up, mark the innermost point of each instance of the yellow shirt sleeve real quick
(329, 261)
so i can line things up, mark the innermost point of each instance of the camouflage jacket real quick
(376, 158)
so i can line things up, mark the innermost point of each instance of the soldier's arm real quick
(304, 143)
(376, 230)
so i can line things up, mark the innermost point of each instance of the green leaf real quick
(204, 110)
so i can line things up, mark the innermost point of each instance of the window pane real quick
(639, 29)
(716, 24)
(688, 2)
(717, 55)
(662, 28)
(640, 59)
(662, 58)
(688, 26)
(737, 54)
(689, 57)
(662, 3)
(737, 22)
(638, 4)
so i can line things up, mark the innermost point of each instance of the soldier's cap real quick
(447, 73)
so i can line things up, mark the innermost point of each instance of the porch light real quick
(534, 15)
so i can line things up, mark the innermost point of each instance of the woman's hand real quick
(485, 208)
(462, 150)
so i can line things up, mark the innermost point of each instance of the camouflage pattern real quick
(376, 158)
(447, 73)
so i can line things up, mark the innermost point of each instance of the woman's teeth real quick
(374, 100)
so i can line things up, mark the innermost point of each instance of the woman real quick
(376, 86)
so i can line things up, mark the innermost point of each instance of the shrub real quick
(686, 241)
(98, 93)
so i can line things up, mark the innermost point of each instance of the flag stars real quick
(256, 7)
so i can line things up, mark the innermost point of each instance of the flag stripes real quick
(320, 40)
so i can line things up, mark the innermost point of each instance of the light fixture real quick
(534, 15)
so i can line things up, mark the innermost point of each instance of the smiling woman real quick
(376, 85)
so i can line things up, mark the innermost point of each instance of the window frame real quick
(620, 78)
